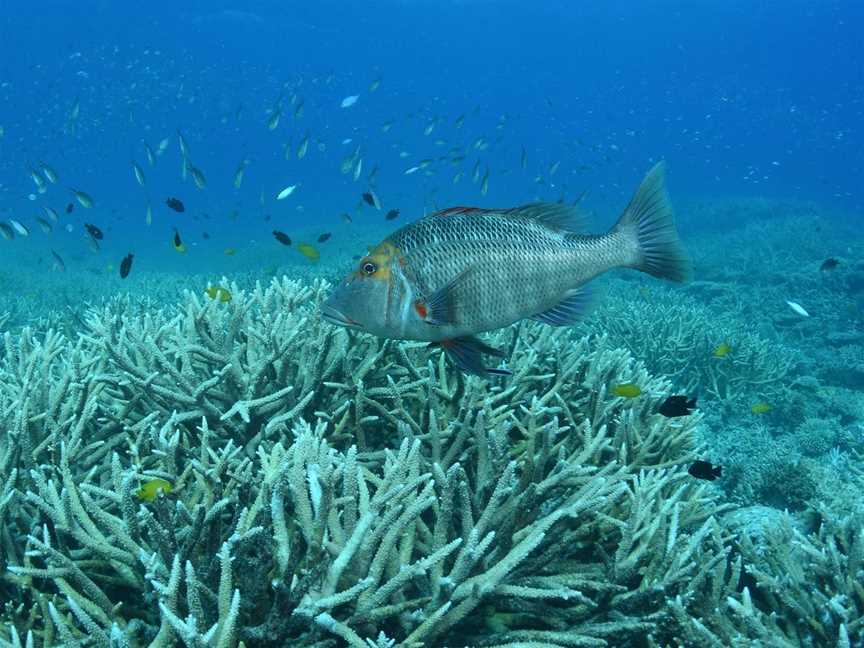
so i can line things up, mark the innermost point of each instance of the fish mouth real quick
(337, 317)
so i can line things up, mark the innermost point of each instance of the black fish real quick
(178, 242)
(70, 207)
(677, 406)
(704, 470)
(347, 218)
(324, 237)
(370, 200)
(175, 204)
(282, 237)
(392, 214)
(94, 231)
(126, 265)
(829, 264)
(205, 235)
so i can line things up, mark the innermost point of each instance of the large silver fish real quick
(463, 270)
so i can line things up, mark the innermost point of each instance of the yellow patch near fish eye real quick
(376, 265)
(150, 489)
(626, 390)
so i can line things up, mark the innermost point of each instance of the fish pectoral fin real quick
(569, 310)
(466, 354)
(440, 307)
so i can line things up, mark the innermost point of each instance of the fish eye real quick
(369, 268)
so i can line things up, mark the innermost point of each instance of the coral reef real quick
(329, 489)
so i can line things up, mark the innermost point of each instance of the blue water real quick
(741, 100)
(757, 109)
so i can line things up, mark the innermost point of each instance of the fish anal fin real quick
(569, 310)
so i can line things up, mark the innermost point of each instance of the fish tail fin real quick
(649, 227)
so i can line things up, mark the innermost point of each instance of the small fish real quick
(7, 232)
(177, 243)
(19, 227)
(175, 204)
(51, 213)
(410, 170)
(346, 218)
(287, 191)
(626, 390)
(309, 252)
(44, 225)
(83, 199)
(198, 177)
(126, 265)
(148, 216)
(163, 144)
(58, 262)
(229, 251)
(372, 199)
(138, 172)
(70, 208)
(798, 308)
(49, 173)
(184, 147)
(324, 237)
(282, 237)
(152, 488)
(273, 121)
(349, 101)
(304, 146)
(760, 408)
(94, 231)
(393, 214)
(829, 264)
(151, 158)
(38, 181)
(218, 293)
(675, 406)
(374, 85)
(722, 350)
(704, 470)
(238, 174)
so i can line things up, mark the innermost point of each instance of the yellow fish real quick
(722, 350)
(230, 251)
(760, 408)
(177, 243)
(150, 489)
(223, 295)
(626, 390)
(308, 251)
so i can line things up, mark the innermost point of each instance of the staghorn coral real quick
(675, 335)
(332, 489)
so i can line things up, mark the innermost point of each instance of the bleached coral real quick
(333, 489)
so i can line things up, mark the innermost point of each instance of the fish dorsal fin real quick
(555, 215)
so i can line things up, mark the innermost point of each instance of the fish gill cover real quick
(384, 371)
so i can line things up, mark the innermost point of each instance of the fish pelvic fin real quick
(466, 354)
(649, 225)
